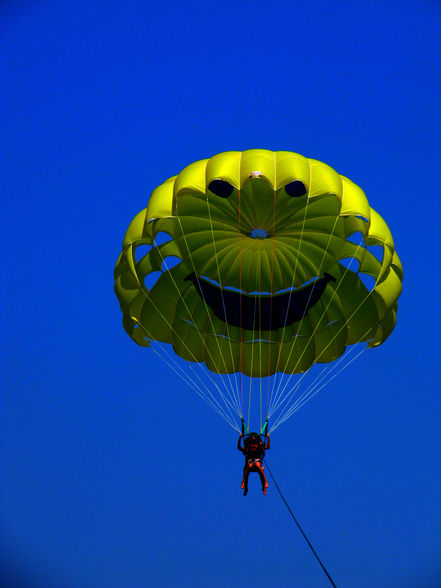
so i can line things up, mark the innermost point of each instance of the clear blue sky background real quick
(114, 474)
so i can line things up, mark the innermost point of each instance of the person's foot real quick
(264, 490)
(245, 491)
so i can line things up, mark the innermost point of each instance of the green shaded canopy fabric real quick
(244, 240)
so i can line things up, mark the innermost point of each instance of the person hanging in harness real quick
(254, 450)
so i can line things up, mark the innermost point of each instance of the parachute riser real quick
(263, 430)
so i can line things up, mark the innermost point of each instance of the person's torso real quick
(255, 452)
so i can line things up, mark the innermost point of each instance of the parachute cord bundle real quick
(300, 528)
(281, 399)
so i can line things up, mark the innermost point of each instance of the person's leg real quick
(262, 476)
(246, 473)
(244, 477)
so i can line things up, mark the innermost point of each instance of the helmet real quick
(252, 438)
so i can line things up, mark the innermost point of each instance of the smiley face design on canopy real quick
(279, 263)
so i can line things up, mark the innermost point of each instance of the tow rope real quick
(299, 527)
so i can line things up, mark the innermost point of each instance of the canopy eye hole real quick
(296, 189)
(220, 188)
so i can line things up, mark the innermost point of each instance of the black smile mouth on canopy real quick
(266, 313)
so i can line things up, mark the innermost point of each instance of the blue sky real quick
(114, 474)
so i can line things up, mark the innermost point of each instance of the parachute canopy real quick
(258, 262)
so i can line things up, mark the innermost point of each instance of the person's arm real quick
(268, 442)
(239, 446)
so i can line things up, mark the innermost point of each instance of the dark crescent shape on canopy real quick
(265, 313)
